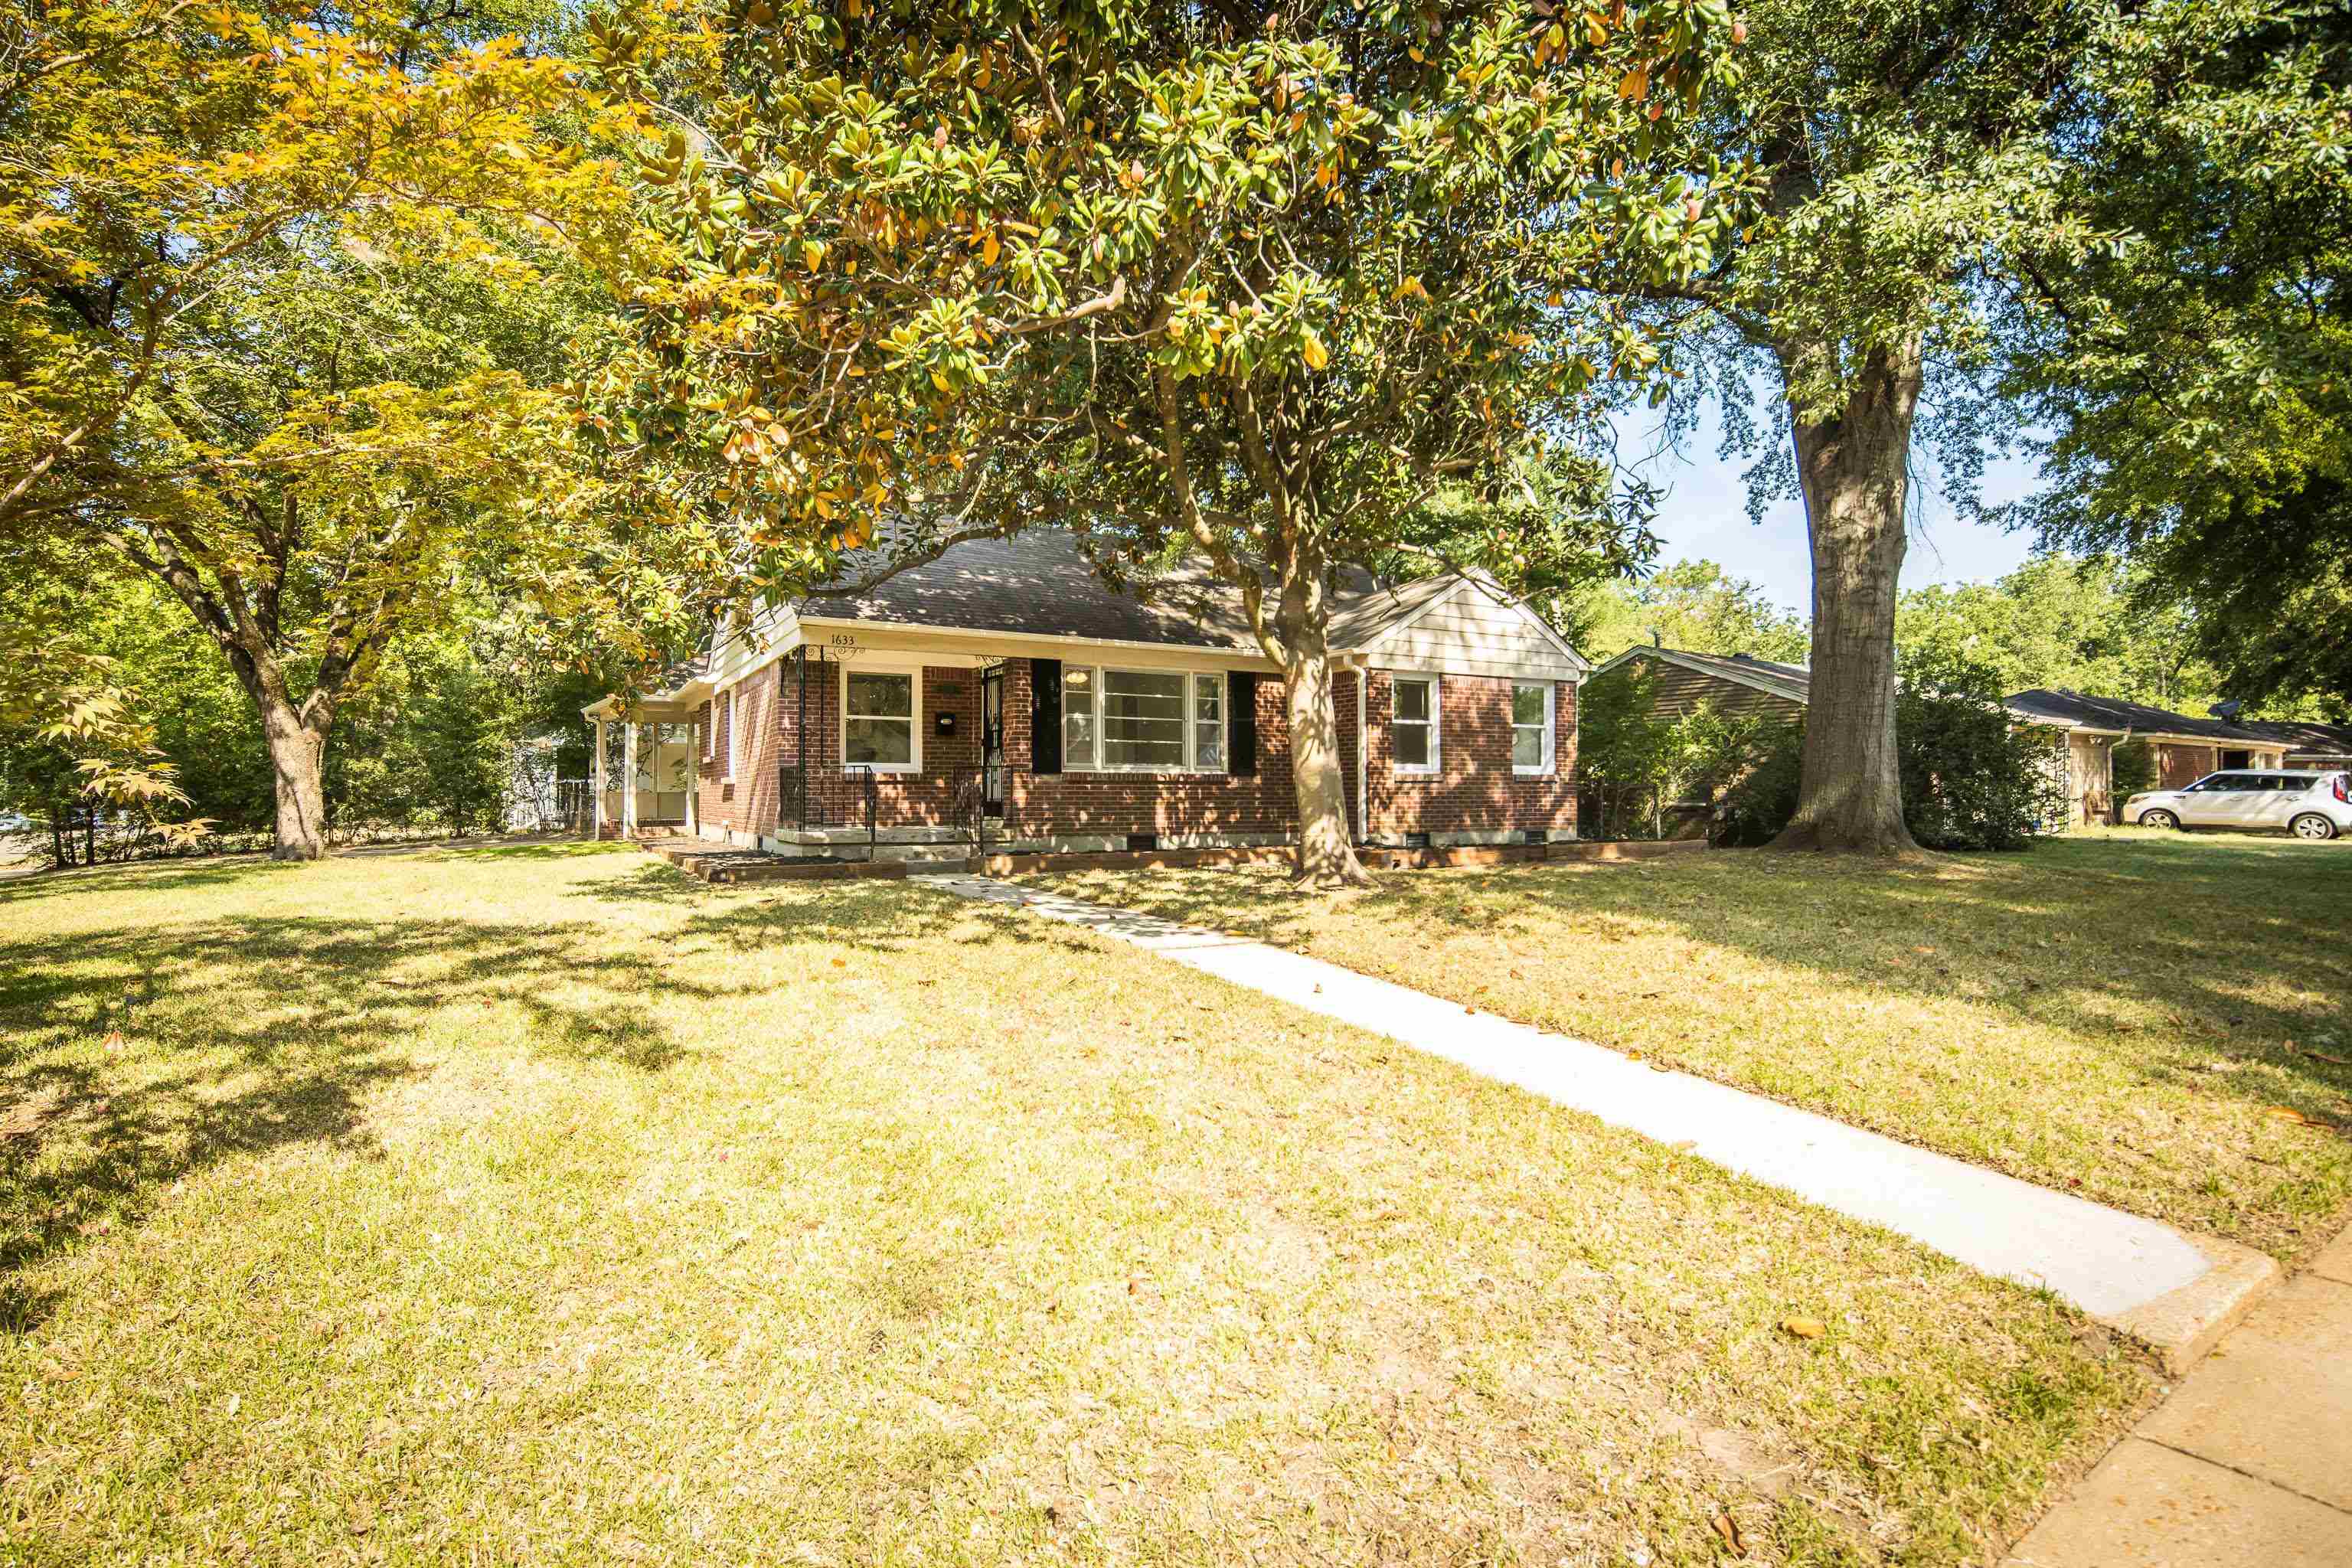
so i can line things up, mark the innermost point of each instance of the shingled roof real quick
(2077, 708)
(1792, 681)
(2304, 740)
(1037, 583)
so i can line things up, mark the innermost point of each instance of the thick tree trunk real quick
(1325, 856)
(297, 755)
(1852, 465)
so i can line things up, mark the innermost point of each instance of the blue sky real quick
(1705, 517)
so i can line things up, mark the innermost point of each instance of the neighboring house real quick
(1735, 685)
(1007, 675)
(2185, 748)
(2307, 745)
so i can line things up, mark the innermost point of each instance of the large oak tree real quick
(2196, 376)
(1919, 159)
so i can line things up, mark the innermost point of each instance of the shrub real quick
(2133, 765)
(1972, 779)
(1632, 759)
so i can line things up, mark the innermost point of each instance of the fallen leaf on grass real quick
(1728, 1528)
(1804, 1327)
(2288, 1113)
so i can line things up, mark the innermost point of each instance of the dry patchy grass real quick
(2121, 1014)
(544, 1206)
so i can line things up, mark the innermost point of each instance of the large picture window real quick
(1531, 727)
(1412, 728)
(877, 722)
(1142, 721)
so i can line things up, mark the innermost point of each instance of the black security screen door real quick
(992, 740)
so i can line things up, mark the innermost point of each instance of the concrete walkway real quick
(2248, 1465)
(2173, 1292)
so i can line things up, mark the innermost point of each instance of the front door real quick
(992, 741)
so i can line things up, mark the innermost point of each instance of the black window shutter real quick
(1045, 715)
(1240, 724)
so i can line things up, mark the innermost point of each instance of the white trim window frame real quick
(872, 715)
(1426, 722)
(1548, 692)
(1086, 725)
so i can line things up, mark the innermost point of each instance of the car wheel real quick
(2158, 818)
(2311, 825)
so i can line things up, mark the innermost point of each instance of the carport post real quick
(693, 778)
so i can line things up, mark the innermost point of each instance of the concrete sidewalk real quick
(2175, 1293)
(2247, 1465)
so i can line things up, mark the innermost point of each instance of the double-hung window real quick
(1413, 727)
(877, 722)
(732, 744)
(1531, 726)
(1142, 721)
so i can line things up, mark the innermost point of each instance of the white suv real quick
(2307, 805)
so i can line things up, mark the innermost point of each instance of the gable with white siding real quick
(1474, 631)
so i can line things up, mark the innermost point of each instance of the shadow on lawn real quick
(250, 1032)
(142, 876)
(2056, 936)
(79, 1153)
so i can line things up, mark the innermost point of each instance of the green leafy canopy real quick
(1260, 281)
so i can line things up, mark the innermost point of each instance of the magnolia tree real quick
(1249, 284)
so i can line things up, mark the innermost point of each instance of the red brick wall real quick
(1474, 789)
(2176, 765)
(1054, 804)
(748, 805)
(1476, 792)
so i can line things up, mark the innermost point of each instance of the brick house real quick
(1008, 681)
(2184, 748)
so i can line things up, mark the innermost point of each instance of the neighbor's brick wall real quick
(2177, 766)
(1475, 790)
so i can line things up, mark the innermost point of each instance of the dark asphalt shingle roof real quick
(1792, 681)
(2307, 739)
(2115, 713)
(1037, 583)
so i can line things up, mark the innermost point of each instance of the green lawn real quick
(543, 1206)
(2137, 1016)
